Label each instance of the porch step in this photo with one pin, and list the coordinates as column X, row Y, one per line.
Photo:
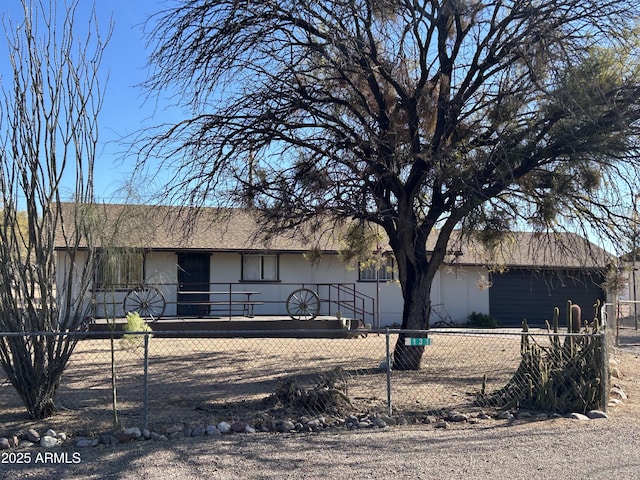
column 243, row 327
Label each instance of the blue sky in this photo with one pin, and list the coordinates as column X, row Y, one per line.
column 124, row 63
column 125, row 110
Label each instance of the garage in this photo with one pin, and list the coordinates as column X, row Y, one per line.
column 519, row 294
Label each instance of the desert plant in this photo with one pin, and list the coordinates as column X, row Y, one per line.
column 50, row 100
column 482, row 320
column 563, row 376
column 136, row 325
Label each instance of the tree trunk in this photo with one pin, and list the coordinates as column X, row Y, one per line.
column 415, row 316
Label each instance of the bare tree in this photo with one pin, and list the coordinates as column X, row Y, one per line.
column 48, row 136
column 420, row 117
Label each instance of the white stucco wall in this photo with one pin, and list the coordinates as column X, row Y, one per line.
column 459, row 293
column 455, row 291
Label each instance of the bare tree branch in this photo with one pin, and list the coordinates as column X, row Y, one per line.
column 420, row 116
column 48, row 134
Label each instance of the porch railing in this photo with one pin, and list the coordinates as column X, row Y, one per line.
column 217, row 299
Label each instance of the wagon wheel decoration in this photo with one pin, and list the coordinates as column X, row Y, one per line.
column 303, row 304
column 147, row 301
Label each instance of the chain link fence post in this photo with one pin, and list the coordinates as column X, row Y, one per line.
column 604, row 373
column 145, row 385
column 389, row 365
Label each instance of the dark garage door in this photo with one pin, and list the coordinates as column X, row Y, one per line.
column 519, row 294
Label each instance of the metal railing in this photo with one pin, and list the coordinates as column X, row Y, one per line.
column 230, row 299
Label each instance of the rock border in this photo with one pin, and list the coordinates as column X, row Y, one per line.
column 443, row 420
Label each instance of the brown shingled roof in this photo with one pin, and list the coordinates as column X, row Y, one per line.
column 176, row 228
column 212, row 229
column 535, row 250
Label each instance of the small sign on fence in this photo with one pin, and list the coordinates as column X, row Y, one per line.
column 417, row 342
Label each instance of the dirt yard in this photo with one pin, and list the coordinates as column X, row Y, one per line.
column 197, row 380
column 561, row 448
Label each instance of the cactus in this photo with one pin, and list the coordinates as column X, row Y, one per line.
column 575, row 323
column 561, row 377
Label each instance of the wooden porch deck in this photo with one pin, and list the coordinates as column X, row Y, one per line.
column 238, row 326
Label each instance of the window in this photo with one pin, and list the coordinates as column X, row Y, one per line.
column 119, row 269
column 260, row 268
column 385, row 271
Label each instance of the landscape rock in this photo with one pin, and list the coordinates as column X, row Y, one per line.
column 86, row 442
column 224, row 427
column 286, row 426
column 442, row 424
column 390, row 421
column 595, row 414
column 33, row 436
column 249, row 429
column 198, row 431
column 314, row 424
column 173, row 429
column 237, row 427
column 456, row 417
column 4, row 444
column 48, row 441
column 133, row 432
column 619, row 393
column 124, row 437
column 212, row 430
column 379, row 422
column 577, row 416
column 262, row 427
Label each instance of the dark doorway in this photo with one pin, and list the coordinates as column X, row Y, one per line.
column 193, row 276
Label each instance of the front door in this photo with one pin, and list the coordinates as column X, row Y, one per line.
column 193, row 276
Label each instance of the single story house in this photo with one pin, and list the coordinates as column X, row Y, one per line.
column 216, row 263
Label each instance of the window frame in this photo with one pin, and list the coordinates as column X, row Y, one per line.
column 127, row 277
column 384, row 273
column 263, row 270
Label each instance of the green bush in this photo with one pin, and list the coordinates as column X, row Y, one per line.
column 135, row 323
column 482, row 320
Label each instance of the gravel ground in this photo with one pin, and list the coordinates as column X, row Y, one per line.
column 568, row 449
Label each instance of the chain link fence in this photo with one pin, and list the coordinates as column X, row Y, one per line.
column 196, row 378
column 623, row 318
